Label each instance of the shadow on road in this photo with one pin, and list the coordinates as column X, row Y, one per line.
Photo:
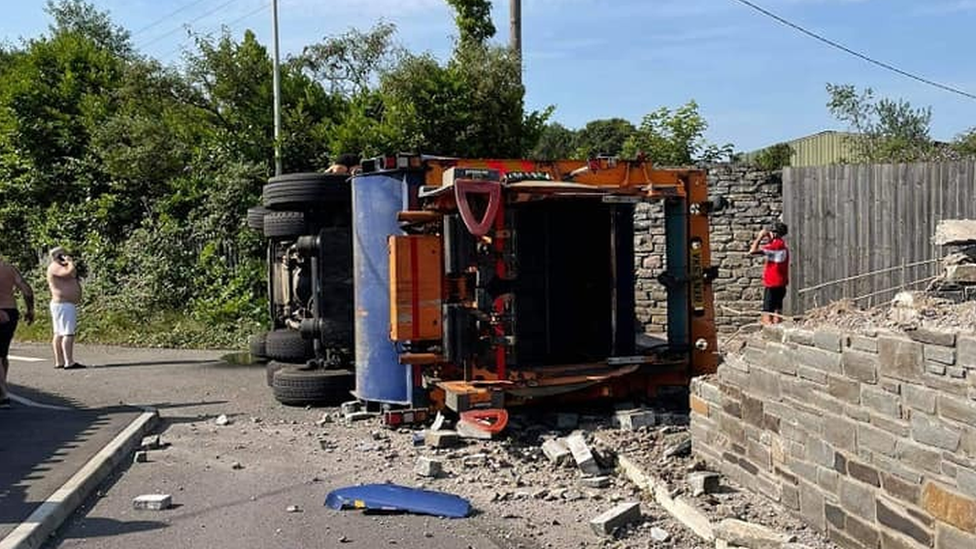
column 97, row 527
column 208, row 362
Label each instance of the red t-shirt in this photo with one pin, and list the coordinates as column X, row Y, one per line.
column 776, row 274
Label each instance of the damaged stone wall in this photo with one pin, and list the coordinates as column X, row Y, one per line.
column 756, row 199
column 869, row 437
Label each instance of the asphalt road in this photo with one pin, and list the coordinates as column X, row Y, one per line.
column 218, row 505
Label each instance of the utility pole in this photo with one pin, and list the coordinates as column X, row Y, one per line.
column 515, row 30
column 276, row 69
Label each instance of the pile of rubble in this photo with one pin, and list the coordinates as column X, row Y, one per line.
column 958, row 280
column 906, row 311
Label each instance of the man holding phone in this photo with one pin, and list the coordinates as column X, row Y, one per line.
column 62, row 279
column 776, row 272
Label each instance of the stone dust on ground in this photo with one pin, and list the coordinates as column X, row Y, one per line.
column 909, row 310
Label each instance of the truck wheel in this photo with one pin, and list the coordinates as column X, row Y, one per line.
column 284, row 224
column 272, row 367
column 288, row 346
column 296, row 387
column 256, row 345
column 303, row 190
column 255, row 217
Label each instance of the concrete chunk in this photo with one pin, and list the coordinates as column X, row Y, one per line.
column 631, row 420
column 621, row 515
column 557, row 451
column 151, row 442
column 595, row 482
column 703, row 482
column 441, row 439
column 582, row 454
column 152, row 502
column 429, row 467
column 739, row 533
column 955, row 232
column 467, row 429
column 140, row 457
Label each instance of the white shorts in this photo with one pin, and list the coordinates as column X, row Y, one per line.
column 64, row 318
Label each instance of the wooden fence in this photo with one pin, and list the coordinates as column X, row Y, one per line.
column 869, row 226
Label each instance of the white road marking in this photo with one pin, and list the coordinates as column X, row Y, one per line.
column 25, row 358
column 31, row 403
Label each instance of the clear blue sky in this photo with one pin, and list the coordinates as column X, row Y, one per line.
column 757, row 81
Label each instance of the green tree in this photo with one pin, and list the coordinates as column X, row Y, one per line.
column 775, row 157
column 352, row 62
column 556, row 142
column 82, row 18
column 965, row 143
column 885, row 130
column 675, row 138
column 473, row 20
column 603, row 137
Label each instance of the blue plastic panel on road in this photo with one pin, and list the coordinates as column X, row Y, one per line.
column 393, row 497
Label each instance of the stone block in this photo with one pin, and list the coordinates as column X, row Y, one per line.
column 738, row 533
column 582, row 454
column 631, row 420
column 621, row 515
column 828, row 341
column 900, row 358
column 918, row 456
column 151, row 442
column 966, row 480
column 957, row 372
column 766, row 383
column 930, row 430
column 429, row 467
column 842, row 540
column 865, row 534
column 595, row 482
column 900, row 488
column 875, row 440
column 935, row 368
column 947, row 537
column 140, row 456
column 773, row 332
column 698, row 406
column 891, row 425
column 839, row 432
column 857, row 499
column 844, row 389
column 703, row 482
column 880, row 401
column 860, row 365
column 932, row 337
column 152, row 502
column 790, row 497
column 441, row 438
column 779, row 357
column 954, row 232
column 938, row 353
column 799, row 336
column 557, row 451
column 962, row 274
column 893, row 516
column 752, row 411
column 812, row 506
column 820, row 453
column 919, row 398
column 864, row 473
column 949, row 507
column 890, row 540
column 966, row 351
column 828, row 479
column 963, row 411
column 819, row 359
column 862, row 343
column 813, row 374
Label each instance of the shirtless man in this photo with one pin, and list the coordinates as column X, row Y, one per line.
column 10, row 280
column 62, row 279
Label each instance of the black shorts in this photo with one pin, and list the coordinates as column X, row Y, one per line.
column 7, row 330
column 773, row 299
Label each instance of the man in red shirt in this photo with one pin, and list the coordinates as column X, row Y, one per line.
column 776, row 273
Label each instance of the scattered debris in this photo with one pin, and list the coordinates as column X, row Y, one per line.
column 682, row 448
column 660, row 535
column 955, row 232
column 140, row 457
column 468, row 429
column 359, row 416
column 326, row 418
column 623, row 514
column 441, row 439
column 222, row 420
column 703, row 482
column 438, row 423
column 237, row 466
column 475, row 460
column 293, row 509
column 429, row 467
column 582, row 454
column 392, row 497
column 738, row 533
column 350, row 407
column 631, row 420
column 152, row 502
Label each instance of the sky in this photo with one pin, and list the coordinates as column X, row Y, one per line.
column 757, row 82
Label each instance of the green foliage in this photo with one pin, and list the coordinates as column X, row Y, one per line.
column 350, row 64
column 473, row 19
column 675, row 138
column 557, row 142
column 775, row 157
column 603, row 137
column 885, row 130
column 965, row 144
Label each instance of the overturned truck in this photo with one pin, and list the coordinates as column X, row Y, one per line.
column 482, row 283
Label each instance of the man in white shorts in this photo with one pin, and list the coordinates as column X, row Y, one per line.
column 62, row 279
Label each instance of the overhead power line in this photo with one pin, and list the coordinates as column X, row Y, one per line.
column 857, row 54
column 167, row 16
column 194, row 20
column 228, row 24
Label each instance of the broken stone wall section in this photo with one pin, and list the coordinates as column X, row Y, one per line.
column 869, row 438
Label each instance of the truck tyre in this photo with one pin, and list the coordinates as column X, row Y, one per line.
column 273, row 366
column 304, row 190
column 284, row 224
column 255, row 217
column 288, row 346
column 296, row 387
column 257, row 346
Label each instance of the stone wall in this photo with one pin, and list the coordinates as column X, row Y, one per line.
column 756, row 200
column 870, row 438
